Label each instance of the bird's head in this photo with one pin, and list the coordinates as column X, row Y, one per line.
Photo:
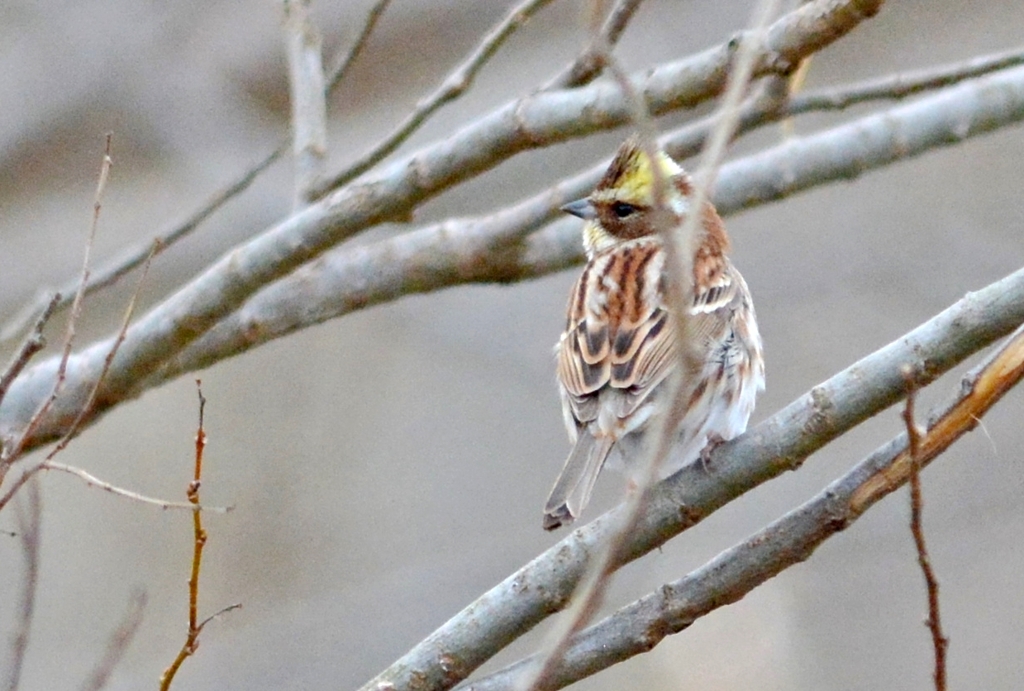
column 622, row 206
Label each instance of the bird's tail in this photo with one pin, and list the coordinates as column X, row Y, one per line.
column 576, row 481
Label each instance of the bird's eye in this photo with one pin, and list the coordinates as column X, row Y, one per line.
column 622, row 209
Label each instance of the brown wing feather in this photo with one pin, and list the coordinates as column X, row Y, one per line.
column 635, row 345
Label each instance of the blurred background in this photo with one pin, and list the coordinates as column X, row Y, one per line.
column 389, row 467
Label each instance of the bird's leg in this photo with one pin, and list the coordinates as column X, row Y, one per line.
column 714, row 441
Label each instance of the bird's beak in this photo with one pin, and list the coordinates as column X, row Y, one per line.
column 581, row 208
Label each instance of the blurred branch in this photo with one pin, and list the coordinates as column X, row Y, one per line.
column 588, row 65
column 29, row 521
column 638, row 627
column 226, row 284
column 118, row 644
column 782, row 442
column 346, row 61
column 906, row 83
column 133, row 257
column 32, row 344
column 545, row 118
column 453, row 86
column 493, row 248
column 308, row 98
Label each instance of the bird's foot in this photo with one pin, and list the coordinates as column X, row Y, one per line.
column 714, row 441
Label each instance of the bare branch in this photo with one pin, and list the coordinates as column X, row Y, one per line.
column 939, row 641
column 588, row 65
column 94, row 481
column 32, row 344
column 91, row 400
column 453, row 86
column 110, row 272
column 679, row 244
column 780, row 443
column 136, row 256
column 640, row 626
column 18, row 484
column 118, row 644
column 492, row 248
column 907, row 83
column 29, row 521
column 308, row 98
column 195, row 627
column 348, row 59
column 9, row 454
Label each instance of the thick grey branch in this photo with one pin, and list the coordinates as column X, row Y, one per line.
column 782, row 442
column 308, row 97
column 640, row 626
column 543, row 118
column 494, row 249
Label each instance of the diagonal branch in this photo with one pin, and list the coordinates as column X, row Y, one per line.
column 543, row 118
column 133, row 257
column 638, row 627
column 454, row 85
column 780, row 443
column 588, row 65
column 346, row 61
column 493, row 248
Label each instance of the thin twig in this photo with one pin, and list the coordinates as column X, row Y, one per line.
column 218, row 614
column 18, row 484
column 87, row 407
column 906, row 84
column 308, row 98
column 934, row 621
column 588, row 65
column 345, row 62
column 195, row 627
column 9, row 455
column 83, row 413
column 118, row 644
column 133, row 257
column 29, row 521
column 113, row 270
column 94, row 481
column 453, row 86
column 33, row 343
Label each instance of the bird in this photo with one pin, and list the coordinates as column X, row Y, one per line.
column 618, row 347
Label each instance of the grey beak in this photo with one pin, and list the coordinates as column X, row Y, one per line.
column 581, row 208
